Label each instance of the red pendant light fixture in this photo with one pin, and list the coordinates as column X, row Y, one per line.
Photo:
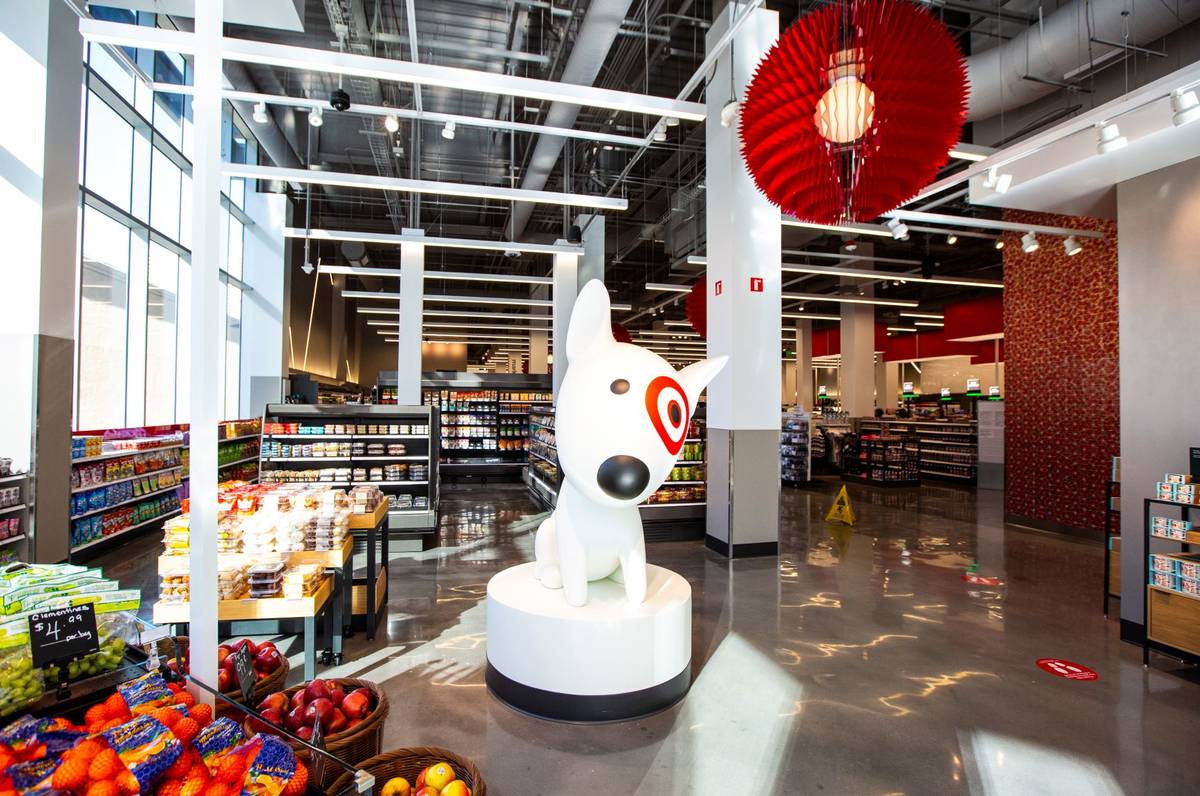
column 620, row 333
column 854, row 110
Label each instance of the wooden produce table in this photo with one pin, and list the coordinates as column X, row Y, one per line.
column 375, row 527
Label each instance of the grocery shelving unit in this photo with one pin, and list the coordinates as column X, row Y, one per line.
column 795, row 450
column 14, row 536
column 238, row 443
column 884, row 461
column 1170, row 614
column 484, row 431
column 949, row 449
column 544, row 476
column 1112, row 542
column 421, row 448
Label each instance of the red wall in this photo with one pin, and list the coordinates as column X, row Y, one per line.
column 1062, row 413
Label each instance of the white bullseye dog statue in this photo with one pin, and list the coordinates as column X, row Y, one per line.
column 621, row 417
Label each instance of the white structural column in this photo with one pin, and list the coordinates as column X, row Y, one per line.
column 566, row 288
column 804, row 372
column 889, row 396
column 743, row 233
column 857, row 374
column 207, row 340
column 412, row 308
column 39, row 191
column 591, row 265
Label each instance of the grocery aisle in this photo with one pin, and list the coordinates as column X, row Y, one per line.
column 854, row 645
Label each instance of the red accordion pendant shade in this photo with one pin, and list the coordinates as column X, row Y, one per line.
column 854, row 110
column 620, row 333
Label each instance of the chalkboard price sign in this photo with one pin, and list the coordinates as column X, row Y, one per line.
column 243, row 666
column 64, row 634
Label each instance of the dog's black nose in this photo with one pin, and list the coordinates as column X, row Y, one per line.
column 623, row 477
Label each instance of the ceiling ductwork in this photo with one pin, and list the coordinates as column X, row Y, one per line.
column 597, row 32
column 1060, row 44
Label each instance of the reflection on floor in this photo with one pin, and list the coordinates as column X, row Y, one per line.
column 858, row 662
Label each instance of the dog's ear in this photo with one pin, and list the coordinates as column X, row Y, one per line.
column 696, row 376
column 591, row 320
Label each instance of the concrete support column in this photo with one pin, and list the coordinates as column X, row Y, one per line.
column 539, row 339
column 39, row 190
column 857, row 373
column 804, row 371
column 889, row 397
column 514, row 363
column 743, row 234
column 207, row 340
column 566, row 288
column 412, row 309
column 591, row 264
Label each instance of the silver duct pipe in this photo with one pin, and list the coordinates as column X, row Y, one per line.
column 1060, row 44
column 599, row 29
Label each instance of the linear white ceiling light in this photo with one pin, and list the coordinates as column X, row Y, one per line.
column 937, row 324
column 388, row 238
column 930, row 315
column 399, row 71
column 391, row 326
column 811, row 316
column 654, row 333
column 472, row 337
column 375, row 182
column 965, row 151
column 901, row 329
column 677, row 323
column 849, row 299
column 516, row 279
column 863, row 274
column 853, row 229
column 437, row 297
column 662, row 287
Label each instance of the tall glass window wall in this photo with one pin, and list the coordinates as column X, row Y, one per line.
column 132, row 350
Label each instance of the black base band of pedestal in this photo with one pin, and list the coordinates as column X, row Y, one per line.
column 587, row 708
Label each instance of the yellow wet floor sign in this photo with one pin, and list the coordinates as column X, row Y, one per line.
column 841, row 511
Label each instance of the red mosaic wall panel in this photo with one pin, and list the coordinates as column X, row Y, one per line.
column 1062, row 410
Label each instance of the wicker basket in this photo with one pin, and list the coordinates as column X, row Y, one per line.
column 268, row 685
column 409, row 763
column 363, row 741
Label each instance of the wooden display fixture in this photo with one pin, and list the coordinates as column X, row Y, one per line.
column 358, row 597
column 252, row 608
column 1173, row 618
column 362, row 522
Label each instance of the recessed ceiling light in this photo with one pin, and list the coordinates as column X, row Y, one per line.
column 951, row 239
column 391, row 123
column 999, row 243
column 1071, row 246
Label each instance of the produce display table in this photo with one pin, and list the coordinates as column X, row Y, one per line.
column 272, row 608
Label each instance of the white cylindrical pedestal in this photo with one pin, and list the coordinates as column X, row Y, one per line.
column 605, row 661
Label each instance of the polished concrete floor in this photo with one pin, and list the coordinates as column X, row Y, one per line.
column 857, row 662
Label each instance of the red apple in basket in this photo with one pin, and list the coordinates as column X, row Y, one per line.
column 298, row 699
column 294, row 720
column 224, row 680
column 357, row 704
column 352, row 723
column 337, row 721
column 278, row 701
column 317, row 689
column 267, row 660
column 247, row 644
column 304, row 733
column 336, row 695
column 273, row 719
column 318, row 709
column 223, row 652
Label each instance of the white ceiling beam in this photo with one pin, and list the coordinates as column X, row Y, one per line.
column 849, row 299
column 374, row 182
column 859, row 273
column 515, row 302
column 988, row 223
column 392, row 239
column 457, row 276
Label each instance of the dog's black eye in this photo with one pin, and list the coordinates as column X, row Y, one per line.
column 619, row 387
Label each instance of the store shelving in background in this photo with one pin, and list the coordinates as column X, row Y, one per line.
column 891, row 460
column 484, row 431
column 16, row 502
column 544, row 475
column 949, row 449
column 389, row 446
column 795, row 464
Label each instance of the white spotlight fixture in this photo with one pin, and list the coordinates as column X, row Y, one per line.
column 999, row 243
column 1071, row 246
column 1109, row 138
column 951, row 239
column 316, row 117
column 898, row 228
column 448, row 131
column 391, row 123
column 850, row 245
column 260, row 113
column 660, row 134
column 672, row 121
column 1029, row 243
column 730, row 112
column 1000, row 183
column 1185, row 107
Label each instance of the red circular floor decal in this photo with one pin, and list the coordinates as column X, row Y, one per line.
column 1071, row 671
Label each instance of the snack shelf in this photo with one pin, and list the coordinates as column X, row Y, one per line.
column 138, row 499
column 102, row 484
column 123, row 531
column 253, row 458
column 669, row 482
column 943, row 474
column 118, row 454
column 10, row 478
column 12, row 539
column 223, row 440
column 537, row 455
column 389, row 458
column 310, row 436
column 308, row 459
column 10, row 509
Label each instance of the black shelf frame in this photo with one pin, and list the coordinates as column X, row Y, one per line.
column 1112, row 490
column 1185, row 513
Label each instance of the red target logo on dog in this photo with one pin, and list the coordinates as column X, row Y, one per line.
column 667, row 405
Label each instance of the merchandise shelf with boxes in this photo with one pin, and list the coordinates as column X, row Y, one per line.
column 485, row 432
column 674, row 512
column 949, row 449
column 1171, row 613
column 795, row 450
column 890, row 461
column 1112, row 534
column 16, row 502
column 392, row 447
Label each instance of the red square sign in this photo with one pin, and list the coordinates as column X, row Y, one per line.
column 717, row 287
column 756, row 284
